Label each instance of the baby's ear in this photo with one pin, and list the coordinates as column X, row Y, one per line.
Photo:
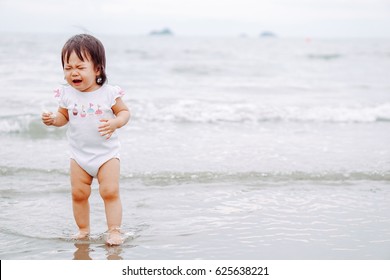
column 98, row 70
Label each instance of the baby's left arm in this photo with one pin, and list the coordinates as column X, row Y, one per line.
column 122, row 114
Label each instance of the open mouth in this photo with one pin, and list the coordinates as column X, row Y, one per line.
column 76, row 81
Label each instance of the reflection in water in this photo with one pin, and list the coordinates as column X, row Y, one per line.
column 113, row 252
column 83, row 250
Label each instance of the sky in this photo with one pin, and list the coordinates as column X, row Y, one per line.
column 285, row 18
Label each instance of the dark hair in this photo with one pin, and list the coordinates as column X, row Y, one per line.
column 87, row 47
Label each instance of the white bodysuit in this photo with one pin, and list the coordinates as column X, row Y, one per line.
column 85, row 109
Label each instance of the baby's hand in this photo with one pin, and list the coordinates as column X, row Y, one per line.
column 48, row 118
column 107, row 127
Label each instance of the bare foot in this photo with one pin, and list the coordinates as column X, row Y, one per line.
column 81, row 235
column 114, row 237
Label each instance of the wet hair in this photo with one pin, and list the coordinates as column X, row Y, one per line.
column 86, row 47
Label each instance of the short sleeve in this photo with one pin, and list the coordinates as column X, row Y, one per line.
column 59, row 95
column 116, row 92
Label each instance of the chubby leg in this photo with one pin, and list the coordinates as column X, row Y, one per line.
column 81, row 189
column 108, row 177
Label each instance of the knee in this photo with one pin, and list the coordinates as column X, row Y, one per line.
column 80, row 194
column 109, row 193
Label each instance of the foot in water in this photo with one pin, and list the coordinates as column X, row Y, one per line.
column 81, row 235
column 114, row 237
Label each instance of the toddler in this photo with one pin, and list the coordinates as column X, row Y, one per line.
column 94, row 110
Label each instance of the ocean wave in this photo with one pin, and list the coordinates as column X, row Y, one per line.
column 199, row 111
column 253, row 177
column 16, row 171
column 166, row 178
column 27, row 125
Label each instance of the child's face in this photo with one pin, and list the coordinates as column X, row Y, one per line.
column 81, row 75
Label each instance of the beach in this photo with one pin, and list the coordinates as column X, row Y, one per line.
column 238, row 148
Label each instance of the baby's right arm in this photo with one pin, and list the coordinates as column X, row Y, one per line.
column 58, row 120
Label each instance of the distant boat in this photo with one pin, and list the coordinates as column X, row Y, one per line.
column 164, row 32
column 267, row 34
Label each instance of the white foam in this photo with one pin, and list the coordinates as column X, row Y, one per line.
column 198, row 111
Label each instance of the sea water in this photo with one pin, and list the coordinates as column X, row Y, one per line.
column 238, row 148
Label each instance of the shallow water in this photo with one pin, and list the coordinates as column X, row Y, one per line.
column 192, row 220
